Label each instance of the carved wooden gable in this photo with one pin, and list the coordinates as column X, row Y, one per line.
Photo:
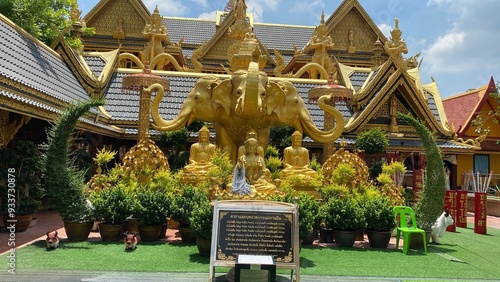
column 222, row 48
column 114, row 15
column 353, row 31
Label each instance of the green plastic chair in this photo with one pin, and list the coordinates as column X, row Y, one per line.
column 404, row 212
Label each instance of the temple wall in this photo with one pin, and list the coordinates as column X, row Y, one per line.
column 465, row 163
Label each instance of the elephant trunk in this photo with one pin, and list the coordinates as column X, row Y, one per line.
column 327, row 136
column 167, row 125
column 250, row 103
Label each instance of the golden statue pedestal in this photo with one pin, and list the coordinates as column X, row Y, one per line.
column 306, row 186
column 194, row 178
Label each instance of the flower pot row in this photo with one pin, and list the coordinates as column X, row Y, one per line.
column 347, row 238
column 342, row 217
column 80, row 230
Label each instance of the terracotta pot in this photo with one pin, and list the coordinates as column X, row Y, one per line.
column 111, row 232
column 78, row 230
column 149, row 233
column 344, row 238
column 204, row 246
column 22, row 224
column 379, row 239
column 187, row 234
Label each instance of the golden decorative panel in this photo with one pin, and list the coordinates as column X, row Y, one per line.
column 123, row 15
column 220, row 49
column 353, row 28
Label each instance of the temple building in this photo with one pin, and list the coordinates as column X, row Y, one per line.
column 462, row 109
column 370, row 76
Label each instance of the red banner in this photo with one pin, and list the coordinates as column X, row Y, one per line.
column 480, row 212
column 461, row 209
column 450, row 204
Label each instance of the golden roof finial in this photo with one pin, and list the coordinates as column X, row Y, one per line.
column 395, row 44
column 396, row 32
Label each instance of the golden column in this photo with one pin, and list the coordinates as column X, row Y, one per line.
column 339, row 93
column 144, row 83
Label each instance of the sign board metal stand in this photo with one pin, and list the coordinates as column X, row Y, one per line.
column 248, row 227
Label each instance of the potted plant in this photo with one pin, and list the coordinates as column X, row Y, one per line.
column 201, row 222
column 22, row 192
column 63, row 181
column 308, row 211
column 183, row 203
column 379, row 220
column 345, row 216
column 113, row 206
column 150, row 209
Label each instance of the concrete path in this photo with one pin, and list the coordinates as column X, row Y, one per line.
column 49, row 221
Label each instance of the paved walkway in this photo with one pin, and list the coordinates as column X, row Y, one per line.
column 49, row 221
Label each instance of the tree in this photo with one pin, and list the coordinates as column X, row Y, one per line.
column 281, row 136
column 431, row 201
column 492, row 115
column 372, row 141
column 44, row 19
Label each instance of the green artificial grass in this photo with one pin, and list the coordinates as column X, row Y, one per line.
column 461, row 255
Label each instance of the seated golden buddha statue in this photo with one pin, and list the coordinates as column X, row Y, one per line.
column 296, row 159
column 250, row 174
column 250, row 134
column 200, row 155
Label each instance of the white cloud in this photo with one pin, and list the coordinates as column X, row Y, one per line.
column 271, row 5
column 259, row 7
column 471, row 42
column 208, row 15
column 438, row 2
column 168, row 7
column 442, row 55
column 386, row 29
column 202, row 3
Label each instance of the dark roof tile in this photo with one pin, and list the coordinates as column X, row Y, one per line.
column 34, row 66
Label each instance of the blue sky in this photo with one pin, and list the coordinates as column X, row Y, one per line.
column 459, row 40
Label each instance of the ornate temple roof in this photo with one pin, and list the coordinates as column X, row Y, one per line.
column 46, row 80
column 35, row 81
column 462, row 109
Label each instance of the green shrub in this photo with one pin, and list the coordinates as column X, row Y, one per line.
column 333, row 191
column 21, row 164
column 431, row 200
column 271, row 151
column 185, row 201
column 201, row 220
column 151, row 207
column 344, row 174
column 315, row 165
column 274, row 164
column 372, row 141
column 112, row 205
column 63, row 181
column 378, row 213
column 223, row 170
column 308, row 214
column 345, row 213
